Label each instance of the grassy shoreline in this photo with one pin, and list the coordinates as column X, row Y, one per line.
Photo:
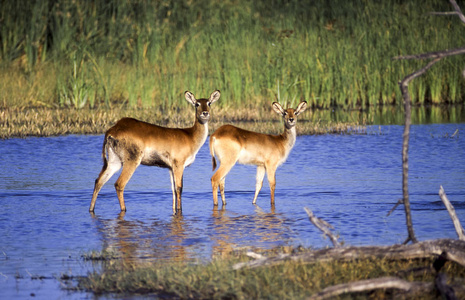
column 290, row 279
column 41, row 122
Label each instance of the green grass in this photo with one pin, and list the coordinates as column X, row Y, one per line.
column 147, row 53
column 287, row 280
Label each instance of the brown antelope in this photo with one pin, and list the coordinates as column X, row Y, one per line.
column 231, row 145
column 130, row 143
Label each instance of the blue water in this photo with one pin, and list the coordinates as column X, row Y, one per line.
column 351, row 181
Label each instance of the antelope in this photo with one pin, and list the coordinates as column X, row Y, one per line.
column 233, row 145
column 131, row 142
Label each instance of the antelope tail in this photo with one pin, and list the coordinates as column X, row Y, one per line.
column 212, row 153
column 105, row 150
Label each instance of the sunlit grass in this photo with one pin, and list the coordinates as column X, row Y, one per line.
column 23, row 122
column 146, row 54
column 287, row 280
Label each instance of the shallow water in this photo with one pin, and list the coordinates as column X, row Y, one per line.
column 351, row 181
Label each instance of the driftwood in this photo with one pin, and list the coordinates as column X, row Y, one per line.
column 452, row 250
column 407, row 287
column 374, row 284
column 452, row 214
column 442, row 250
column 323, row 226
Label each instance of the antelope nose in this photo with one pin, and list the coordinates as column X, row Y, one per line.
column 291, row 119
column 205, row 113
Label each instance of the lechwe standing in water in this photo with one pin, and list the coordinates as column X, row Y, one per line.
column 233, row 145
column 130, row 143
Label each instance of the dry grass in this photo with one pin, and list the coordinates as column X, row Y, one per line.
column 287, row 280
column 23, row 122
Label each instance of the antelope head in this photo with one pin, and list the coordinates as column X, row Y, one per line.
column 289, row 115
column 202, row 106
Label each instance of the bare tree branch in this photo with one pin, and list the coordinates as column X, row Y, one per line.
column 323, row 226
column 452, row 214
column 405, row 144
column 452, row 250
column 457, row 12
column 372, row 284
column 435, row 57
column 399, row 202
column 431, row 55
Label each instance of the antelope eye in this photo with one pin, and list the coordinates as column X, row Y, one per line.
column 197, row 104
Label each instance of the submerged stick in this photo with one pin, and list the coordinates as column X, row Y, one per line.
column 452, row 214
column 323, row 226
column 399, row 202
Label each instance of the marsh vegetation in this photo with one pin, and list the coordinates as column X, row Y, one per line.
column 147, row 53
column 290, row 279
column 74, row 67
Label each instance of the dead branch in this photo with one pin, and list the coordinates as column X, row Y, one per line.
column 452, row 250
column 373, row 284
column 435, row 57
column 323, row 226
column 457, row 12
column 432, row 55
column 399, row 202
column 452, row 214
column 405, row 144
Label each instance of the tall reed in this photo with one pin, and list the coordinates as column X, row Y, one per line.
column 330, row 53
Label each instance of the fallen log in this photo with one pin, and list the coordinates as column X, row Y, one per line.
column 452, row 250
column 373, row 284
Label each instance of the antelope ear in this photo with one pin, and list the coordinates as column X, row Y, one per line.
column 300, row 108
column 214, row 97
column 278, row 108
column 190, row 97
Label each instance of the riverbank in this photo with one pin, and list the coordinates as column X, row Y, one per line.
column 290, row 273
column 24, row 122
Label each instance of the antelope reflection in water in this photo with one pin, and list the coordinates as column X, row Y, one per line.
column 134, row 241
column 180, row 238
column 263, row 229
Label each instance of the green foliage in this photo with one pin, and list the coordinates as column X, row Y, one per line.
column 74, row 86
column 330, row 53
column 290, row 279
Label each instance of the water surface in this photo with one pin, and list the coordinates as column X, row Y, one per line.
column 351, row 181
